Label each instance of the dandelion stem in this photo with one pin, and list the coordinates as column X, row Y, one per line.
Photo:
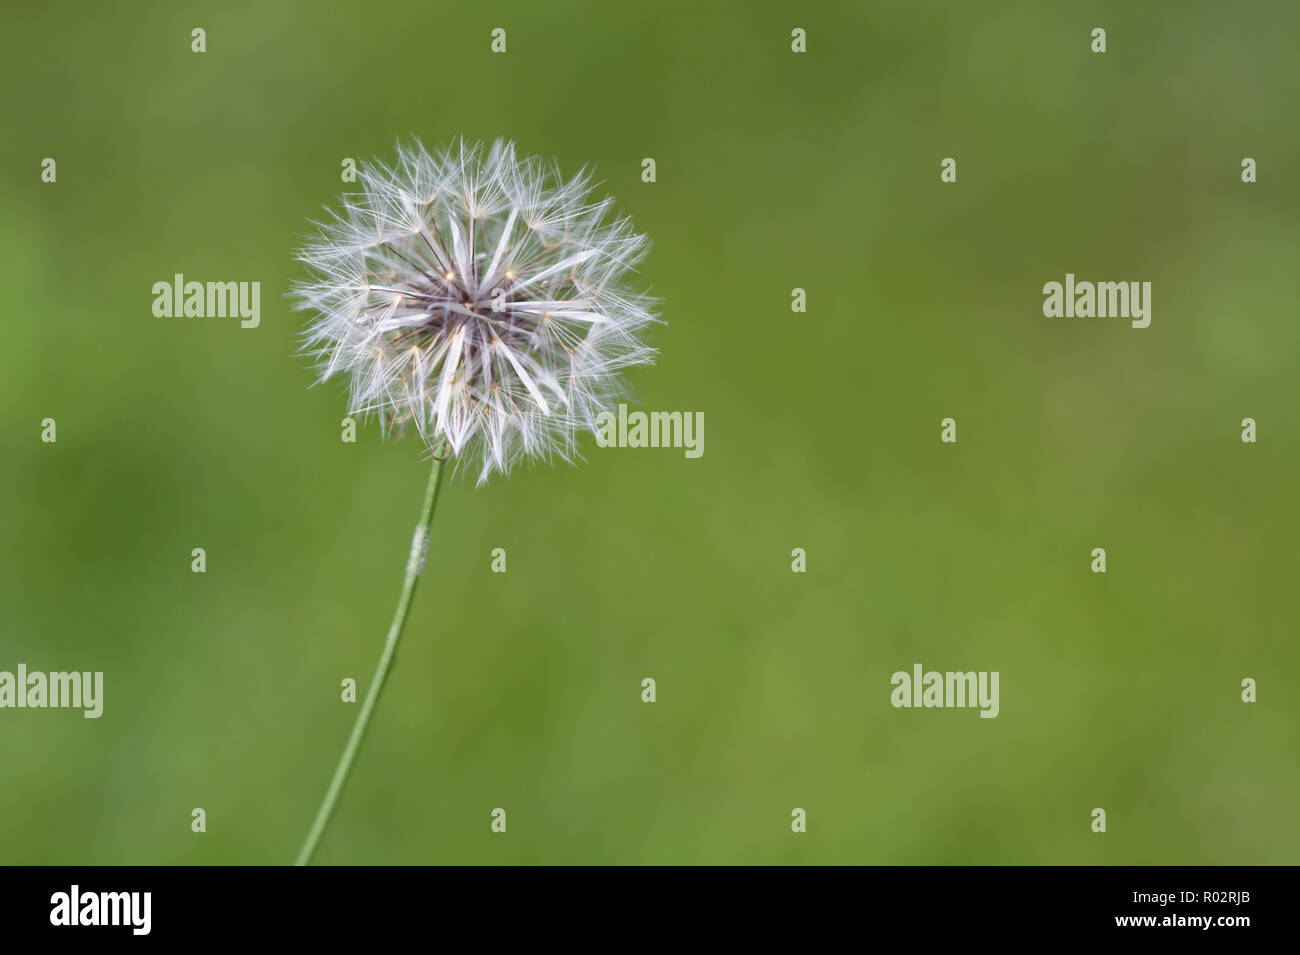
column 414, row 564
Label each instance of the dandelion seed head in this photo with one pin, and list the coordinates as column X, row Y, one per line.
column 479, row 297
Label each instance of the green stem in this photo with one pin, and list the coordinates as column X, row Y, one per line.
column 414, row 564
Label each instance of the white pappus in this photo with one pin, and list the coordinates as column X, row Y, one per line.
column 480, row 297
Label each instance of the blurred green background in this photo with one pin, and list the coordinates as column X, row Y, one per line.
column 523, row 690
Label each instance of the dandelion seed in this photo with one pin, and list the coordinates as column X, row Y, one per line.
column 512, row 285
